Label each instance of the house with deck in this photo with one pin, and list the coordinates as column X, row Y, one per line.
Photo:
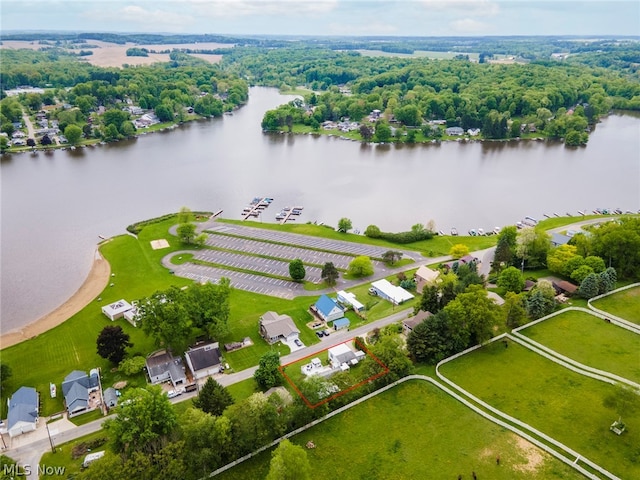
column 82, row 392
column 275, row 327
column 164, row 367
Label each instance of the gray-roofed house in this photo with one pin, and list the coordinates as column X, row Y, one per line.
column 274, row 327
column 110, row 397
column 162, row 367
column 410, row 323
column 203, row 360
column 558, row 239
column 23, row 411
column 78, row 389
column 454, row 131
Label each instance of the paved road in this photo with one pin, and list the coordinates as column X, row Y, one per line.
column 30, row 131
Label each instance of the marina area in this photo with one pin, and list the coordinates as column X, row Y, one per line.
column 260, row 204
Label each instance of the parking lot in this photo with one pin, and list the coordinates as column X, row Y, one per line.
column 257, row 264
column 302, row 240
column 240, row 252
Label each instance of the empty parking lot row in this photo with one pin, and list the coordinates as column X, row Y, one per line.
column 258, row 264
column 302, row 240
column 278, row 251
column 242, row 281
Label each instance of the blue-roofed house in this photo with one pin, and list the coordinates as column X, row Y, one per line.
column 341, row 323
column 81, row 392
column 558, row 239
column 23, row 411
column 327, row 309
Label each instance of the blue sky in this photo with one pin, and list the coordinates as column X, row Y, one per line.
column 328, row 17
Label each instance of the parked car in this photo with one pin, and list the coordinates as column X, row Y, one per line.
column 173, row 393
column 320, row 333
column 297, row 342
column 373, row 291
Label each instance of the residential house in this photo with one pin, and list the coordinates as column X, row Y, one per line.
column 425, row 276
column 349, row 299
column 385, row 289
column 466, row 260
column 342, row 354
column 410, row 323
column 558, row 239
column 454, row 131
column 162, row 367
column 81, row 392
column 474, row 132
column 116, row 310
column 275, row 327
column 327, row 309
column 203, row 360
column 23, row 411
column 562, row 286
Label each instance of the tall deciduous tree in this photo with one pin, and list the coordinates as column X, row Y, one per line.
column 391, row 256
column 73, row 133
column 144, row 421
column 289, row 462
column 514, row 311
column 112, row 343
column 330, row 273
column 473, row 314
column 208, row 306
column 296, row 270
column 213, row 398
column 165, row 317
column 186, row 232
column 511, row 280
column 267, row 375
column 459, row 250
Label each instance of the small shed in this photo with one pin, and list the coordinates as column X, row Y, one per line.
column 348, row 298
column 110, row 397
column 341, row 323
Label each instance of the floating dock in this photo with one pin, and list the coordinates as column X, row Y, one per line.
column 286, row 214
column 255, row 208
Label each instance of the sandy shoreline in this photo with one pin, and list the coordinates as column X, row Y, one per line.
column 96, row 281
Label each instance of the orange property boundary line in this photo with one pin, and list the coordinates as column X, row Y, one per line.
column 359, row 344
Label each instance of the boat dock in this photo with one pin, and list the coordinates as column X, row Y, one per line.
column 286, row 214
column 255, row 208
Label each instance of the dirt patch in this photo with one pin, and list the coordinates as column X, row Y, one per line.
column 534, row 457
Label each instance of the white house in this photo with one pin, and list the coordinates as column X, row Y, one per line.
column 203, row 360
column 23, row 411
column 117, row 309
column 454, row 131
column 343, row 355
column 274, row 327
column 348, row 298
column 388, row 291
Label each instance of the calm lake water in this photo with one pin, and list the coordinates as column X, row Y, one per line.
column 55, row 205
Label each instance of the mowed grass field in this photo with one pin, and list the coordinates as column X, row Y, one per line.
column 561, row 403
column 414, row 431
column 625, row 304
column 590, row 340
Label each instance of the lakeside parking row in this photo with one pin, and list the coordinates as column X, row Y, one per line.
column 284, row 252
column 301, row 240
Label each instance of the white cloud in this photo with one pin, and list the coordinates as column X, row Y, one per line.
column 375, row 28
column 469, row 25
column 484, row 8
column 236, row 8
column 157, row 19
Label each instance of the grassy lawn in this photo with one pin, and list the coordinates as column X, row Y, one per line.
column 244, row 389
column 563, row 404
column 377, row 307
column 591, row 341
column 413, row 431
column 438, row 245
column 86, row 417
column 625, row 304
column 63, row 457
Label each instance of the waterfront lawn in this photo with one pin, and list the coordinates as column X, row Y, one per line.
column 591, row 341
column 561, row 403
column 625, row 304
column 413, row 431
column 437, row 246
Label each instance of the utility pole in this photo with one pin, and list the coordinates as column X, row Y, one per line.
column 53, row 450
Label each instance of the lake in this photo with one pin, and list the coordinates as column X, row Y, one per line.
column 55, row 205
